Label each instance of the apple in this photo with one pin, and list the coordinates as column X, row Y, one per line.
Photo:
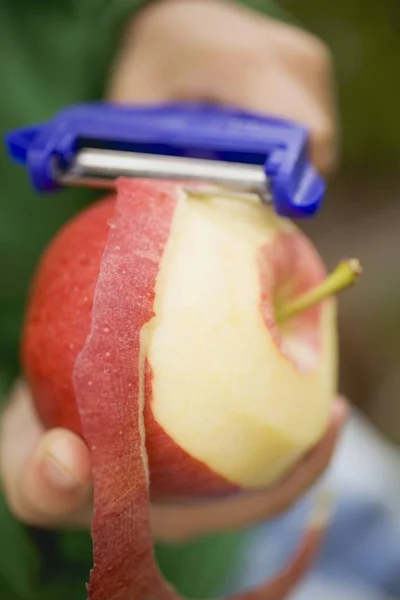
column 163, row 328
column 232, row 399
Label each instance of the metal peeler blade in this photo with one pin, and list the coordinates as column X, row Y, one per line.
column 99, row 168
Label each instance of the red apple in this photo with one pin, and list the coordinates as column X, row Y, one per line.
column 151, row 331
column 231, row 399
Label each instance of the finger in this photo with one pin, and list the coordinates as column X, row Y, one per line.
column 302, row 100
column 177, row 523
column 46, row 475
column 291, row 77
column 133, row 85
column 274, row 89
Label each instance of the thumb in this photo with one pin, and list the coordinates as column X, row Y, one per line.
column 46, row 476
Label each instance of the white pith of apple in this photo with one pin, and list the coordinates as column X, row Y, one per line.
column 242, row 395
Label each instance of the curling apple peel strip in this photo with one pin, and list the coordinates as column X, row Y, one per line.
column 110, row 400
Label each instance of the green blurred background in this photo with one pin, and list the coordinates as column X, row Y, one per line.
column 362, row 213
column 364, row 36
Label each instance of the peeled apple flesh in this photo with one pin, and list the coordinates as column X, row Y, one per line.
column 151, row 332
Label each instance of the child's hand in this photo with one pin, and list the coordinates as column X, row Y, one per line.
column 47, row 480
column 219, row 51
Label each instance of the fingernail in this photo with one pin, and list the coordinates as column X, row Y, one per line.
column 57, row 465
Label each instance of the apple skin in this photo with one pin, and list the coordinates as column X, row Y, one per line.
column 57, row 324
column 59, row 319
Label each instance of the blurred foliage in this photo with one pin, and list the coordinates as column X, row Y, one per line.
column 362, row 215
column 364, row 36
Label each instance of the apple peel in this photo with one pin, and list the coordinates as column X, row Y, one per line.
column 111, row 407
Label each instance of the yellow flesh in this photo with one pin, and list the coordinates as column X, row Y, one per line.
column 221, row 389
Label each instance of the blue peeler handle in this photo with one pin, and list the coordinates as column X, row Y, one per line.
column 180, row 130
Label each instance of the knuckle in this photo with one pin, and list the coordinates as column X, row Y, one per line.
column 324, row 134
column 320, row 55
column 325, row 147
column 308, row 48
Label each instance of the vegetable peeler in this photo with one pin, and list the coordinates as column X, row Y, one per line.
column 240, row 152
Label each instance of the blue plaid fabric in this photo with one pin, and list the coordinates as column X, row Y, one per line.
column 360, row 559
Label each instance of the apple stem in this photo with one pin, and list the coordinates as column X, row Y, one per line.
column 341, row 278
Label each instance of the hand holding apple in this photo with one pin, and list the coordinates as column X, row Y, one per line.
column 48, row 479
